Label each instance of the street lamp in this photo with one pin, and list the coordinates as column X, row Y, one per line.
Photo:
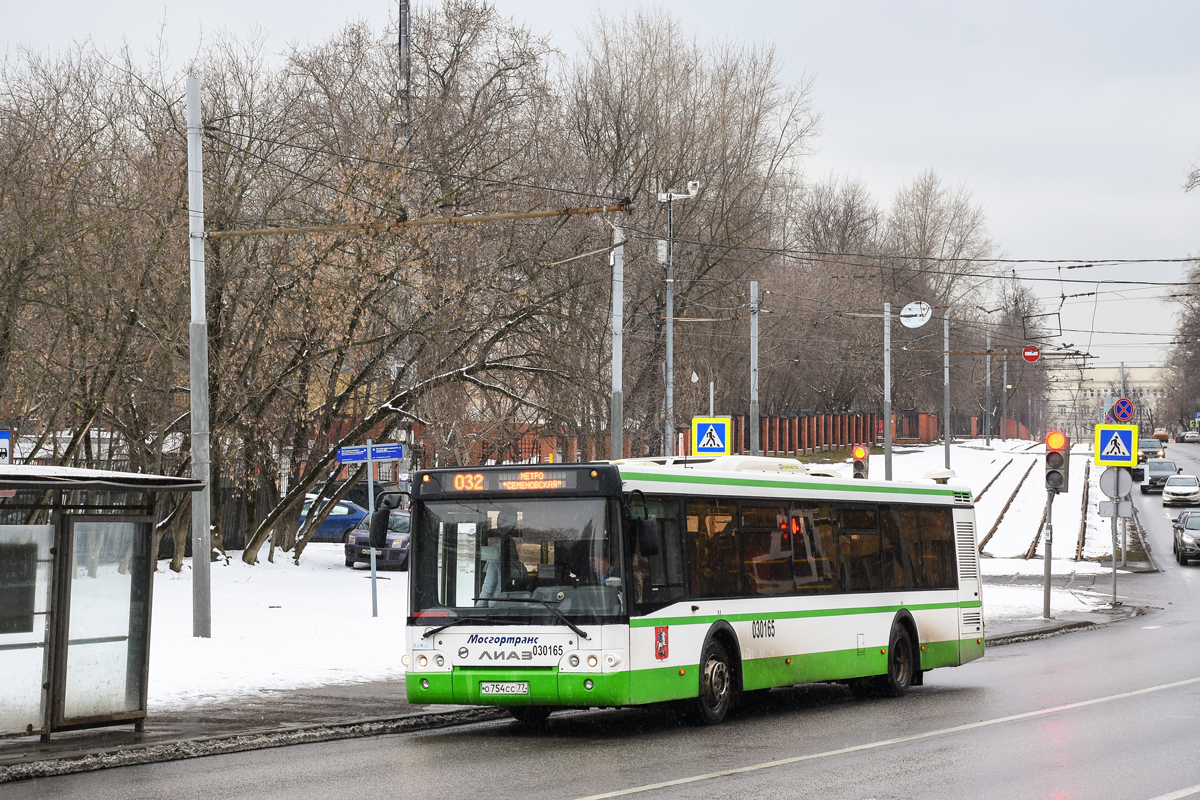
column 669, row 197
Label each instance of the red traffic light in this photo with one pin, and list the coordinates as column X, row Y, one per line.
column 1055, row 440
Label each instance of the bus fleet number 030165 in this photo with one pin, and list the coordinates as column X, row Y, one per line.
column 762, row 629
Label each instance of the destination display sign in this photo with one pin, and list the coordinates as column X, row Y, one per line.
column 516, row 479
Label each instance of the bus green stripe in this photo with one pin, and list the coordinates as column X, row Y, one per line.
column 769, row 484
column 636, row 687
column 648, row 622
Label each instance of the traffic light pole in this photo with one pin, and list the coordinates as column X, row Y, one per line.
column 1049, row 549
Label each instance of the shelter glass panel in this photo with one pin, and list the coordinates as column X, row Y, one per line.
column 26, row 567
column 109, row 615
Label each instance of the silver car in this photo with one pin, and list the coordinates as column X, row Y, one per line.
column 1183, row 489
column 1187, row 536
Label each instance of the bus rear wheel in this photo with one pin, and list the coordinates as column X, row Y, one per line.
column 901, row 664
column 716, row 684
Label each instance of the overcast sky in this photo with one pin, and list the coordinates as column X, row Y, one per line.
column 1073, row 123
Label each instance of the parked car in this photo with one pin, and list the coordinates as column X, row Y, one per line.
column 395, row 555
column 359, row 494
column 1189, row 436
column 1182, row 489
column 343, row 518
column 1187, row 533
column 1157, row 472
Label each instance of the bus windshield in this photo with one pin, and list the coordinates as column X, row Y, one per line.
column 517, row 559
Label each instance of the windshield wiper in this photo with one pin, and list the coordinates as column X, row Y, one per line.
column 548, row 607
column 440, row 628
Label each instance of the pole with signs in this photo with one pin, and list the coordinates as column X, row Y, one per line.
column 1115, row 483
column 370, row 454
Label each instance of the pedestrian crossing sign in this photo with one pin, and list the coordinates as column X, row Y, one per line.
column 710, row 436
column 1116, row 446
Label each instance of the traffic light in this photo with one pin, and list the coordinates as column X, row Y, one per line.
column 860, row 461
column 1058, row 461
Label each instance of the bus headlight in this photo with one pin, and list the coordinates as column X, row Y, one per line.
column 611, row 659
column 423, row 661
column 588, row 684
column 592, row 661
column 573, row 661
column 439, row 660
column 405, row 660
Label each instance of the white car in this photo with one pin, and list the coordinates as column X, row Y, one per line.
column 1183, row 489
column 1190, row 436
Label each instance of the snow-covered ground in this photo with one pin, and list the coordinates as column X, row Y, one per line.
column 275, row 626
column 281, row 626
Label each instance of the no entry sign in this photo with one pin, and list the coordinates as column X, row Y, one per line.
column 1031, row 354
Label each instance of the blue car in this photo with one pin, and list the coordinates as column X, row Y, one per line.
column 343, row 518
column 395, row 554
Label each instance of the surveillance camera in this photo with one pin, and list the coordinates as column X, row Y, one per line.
column 693, row 187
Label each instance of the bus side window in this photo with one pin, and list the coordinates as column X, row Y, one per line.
column 658, row 579
column 713, row 549
column 766, row 549
column 909, row 518
column 937, row 540
column 897, row 559
column 859, row 547
column 816, row 561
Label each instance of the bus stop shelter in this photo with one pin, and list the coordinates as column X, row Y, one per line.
column 76, row 584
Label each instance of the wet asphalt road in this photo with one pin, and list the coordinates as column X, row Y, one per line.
column 1111, row 713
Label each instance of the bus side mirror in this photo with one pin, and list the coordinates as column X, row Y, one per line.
column 647, row 535
column 379, row 521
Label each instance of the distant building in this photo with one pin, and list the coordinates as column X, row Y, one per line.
column 1077, row 398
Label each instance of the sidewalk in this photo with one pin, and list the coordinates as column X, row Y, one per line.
column 275, row 719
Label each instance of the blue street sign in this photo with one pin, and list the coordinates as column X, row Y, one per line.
column 5, row 447
column 710, row 436
column 379, row 452
column 1116, row 446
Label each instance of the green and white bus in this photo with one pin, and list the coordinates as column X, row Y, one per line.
column 650, row 580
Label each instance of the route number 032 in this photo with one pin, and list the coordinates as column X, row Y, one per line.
column 472, row 482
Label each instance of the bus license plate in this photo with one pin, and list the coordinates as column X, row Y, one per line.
column 504, row 687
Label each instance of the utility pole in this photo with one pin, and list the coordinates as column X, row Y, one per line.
column 754, row 423
column 710, row 398
column 616, row 417
column 1004, row 403
column 198, row 345
column 987, row 410
column 946, row 382
column 887, row 391
column 669, row 197
column 406, row 65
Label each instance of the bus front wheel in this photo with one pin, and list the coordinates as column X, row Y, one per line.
column 716, row 684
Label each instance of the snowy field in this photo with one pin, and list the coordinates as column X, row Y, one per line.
column 275, row 627
column 281, row 626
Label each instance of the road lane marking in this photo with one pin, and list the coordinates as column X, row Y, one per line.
column 1188, row 792
column 649, row 787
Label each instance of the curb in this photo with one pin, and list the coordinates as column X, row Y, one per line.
column 198, row 747
column 1128, row 612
